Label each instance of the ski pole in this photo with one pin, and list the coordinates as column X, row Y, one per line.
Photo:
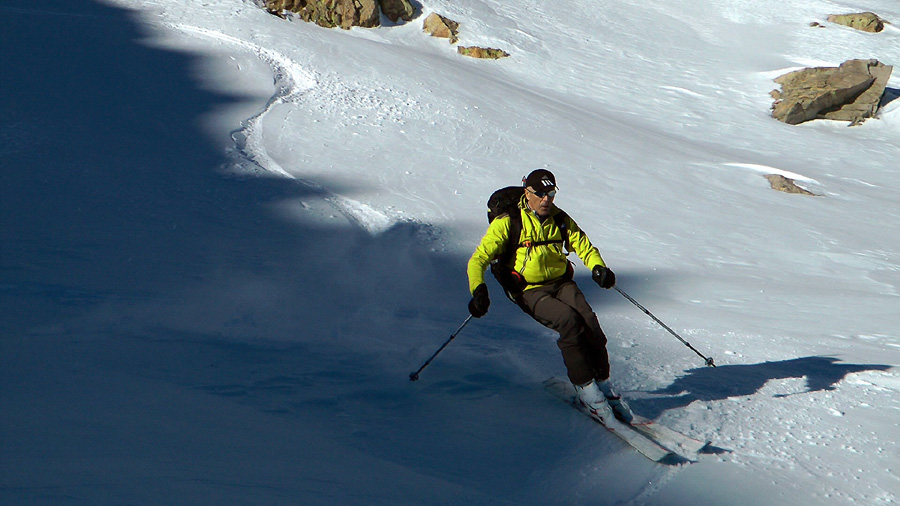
column 413, row 376
column 709, row 361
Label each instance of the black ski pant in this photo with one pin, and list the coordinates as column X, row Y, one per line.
column 562, row 307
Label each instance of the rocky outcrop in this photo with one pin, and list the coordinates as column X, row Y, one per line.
column 367, row 13
column 344, row 13
column 482, row 52
column 851, row 92
column 331, row 13
column 439, row 26
column 865, row 21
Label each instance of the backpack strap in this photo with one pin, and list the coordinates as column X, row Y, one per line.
column 512, row 282
column 512, row 240
column 561, row 222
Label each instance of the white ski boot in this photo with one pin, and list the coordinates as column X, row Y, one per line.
column 595, row 402
column 616, row 402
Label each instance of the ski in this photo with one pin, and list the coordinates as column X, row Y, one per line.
column 683, row 444
column 641, row 442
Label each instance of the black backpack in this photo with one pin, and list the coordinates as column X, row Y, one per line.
column 505, row 201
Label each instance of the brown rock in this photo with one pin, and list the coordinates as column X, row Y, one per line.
column 482, row 52
column 439, row 26
column 787, row 185
column 865, row 21
column 362, row 13
column 331, row 13
column 810, row 93
column 867, row 103
column 398, row 9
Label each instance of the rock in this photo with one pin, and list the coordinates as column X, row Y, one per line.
column 439, row 26
column 814, row 92
column 867, row 103
column 482, row 52
column 362, row 13
column 331, row 13
column 278, row 6
column 787, row 185
column 398, row 9
column 865, row 21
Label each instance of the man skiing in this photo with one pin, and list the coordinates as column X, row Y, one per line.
column 539, row 278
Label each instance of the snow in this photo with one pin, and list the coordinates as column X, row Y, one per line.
column 227, row 239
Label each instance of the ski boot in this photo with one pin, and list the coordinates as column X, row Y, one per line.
column 618, row 405
column 594, row 401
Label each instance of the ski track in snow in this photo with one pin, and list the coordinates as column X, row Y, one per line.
column 661, row 477
column 292, row 83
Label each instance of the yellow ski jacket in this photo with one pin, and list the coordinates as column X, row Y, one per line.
column 538, row 264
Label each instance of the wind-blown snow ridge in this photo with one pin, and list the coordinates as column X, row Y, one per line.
column 291, row 82
column 765, row 169
column 364, row 215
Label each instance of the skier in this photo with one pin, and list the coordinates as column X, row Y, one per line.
column 539, row 278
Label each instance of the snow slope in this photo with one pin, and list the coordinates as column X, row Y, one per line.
column 227, row 238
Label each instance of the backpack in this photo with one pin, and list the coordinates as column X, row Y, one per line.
column 505, row 201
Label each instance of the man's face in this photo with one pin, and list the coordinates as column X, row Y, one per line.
column 540, row 202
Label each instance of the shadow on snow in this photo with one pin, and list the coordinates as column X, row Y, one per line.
column 113, row 203
column 728, row 381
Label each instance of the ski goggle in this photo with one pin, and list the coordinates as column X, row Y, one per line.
column 540, row 195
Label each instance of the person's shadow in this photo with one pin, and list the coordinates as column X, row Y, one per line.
column 725, row 381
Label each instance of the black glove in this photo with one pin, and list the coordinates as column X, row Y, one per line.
column 603, row 276
column 480, row 302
